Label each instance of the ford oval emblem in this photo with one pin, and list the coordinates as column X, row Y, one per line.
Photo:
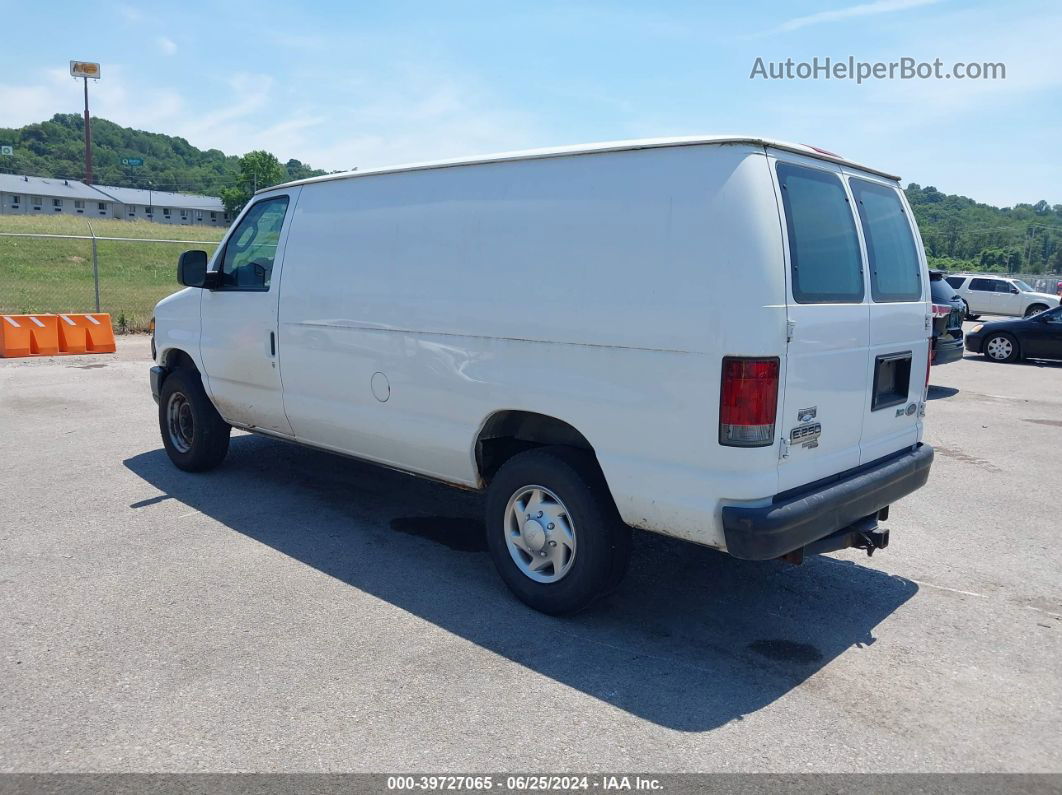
column 911, row 409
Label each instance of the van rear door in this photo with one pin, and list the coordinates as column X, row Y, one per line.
column 900, row 318
column 858, row 348
column 823, row 401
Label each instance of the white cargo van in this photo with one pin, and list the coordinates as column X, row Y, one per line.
column 720, row 339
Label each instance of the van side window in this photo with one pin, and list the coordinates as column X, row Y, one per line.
column 983, row 285
column 823, row 247
column 247, row 263
column 895, row 272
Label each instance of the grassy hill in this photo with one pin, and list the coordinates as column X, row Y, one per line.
column 55, row 148
column 962, row 234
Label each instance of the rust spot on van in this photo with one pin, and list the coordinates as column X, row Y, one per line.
column 462, row 534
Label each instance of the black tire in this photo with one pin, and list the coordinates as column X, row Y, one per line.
column 603, row 542
column 198, row 426
column 1035, row 309
column 967, row 312
column 1015, row 352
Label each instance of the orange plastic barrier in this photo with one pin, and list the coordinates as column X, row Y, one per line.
column 29, row 335
column 91, row 333
column 48, row 335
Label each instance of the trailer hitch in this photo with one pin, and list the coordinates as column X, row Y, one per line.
column 871, row 540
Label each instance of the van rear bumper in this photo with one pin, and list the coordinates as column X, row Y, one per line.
column 796, row 520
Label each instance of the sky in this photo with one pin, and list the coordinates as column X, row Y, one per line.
column 357, row 84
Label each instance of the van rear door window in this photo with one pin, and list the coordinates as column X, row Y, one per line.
column 823, row 247
column 895, row 272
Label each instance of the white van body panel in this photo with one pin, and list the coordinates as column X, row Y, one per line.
column 177, row 321
column 600, row 286
column 586, row 289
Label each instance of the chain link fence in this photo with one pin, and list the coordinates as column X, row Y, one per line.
column 124, row 276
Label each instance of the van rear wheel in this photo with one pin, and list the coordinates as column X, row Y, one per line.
column 553, row 531
column 195, row 436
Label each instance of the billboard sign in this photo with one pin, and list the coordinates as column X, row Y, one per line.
column 85, row 69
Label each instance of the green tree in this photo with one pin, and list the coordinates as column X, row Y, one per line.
column 258, row 169
column 54, row 148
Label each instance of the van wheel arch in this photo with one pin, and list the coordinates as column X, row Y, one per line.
column 176, row 359
column 509, row 432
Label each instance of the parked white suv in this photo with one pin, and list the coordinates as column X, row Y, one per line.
column 999, row 295
column 720, row 339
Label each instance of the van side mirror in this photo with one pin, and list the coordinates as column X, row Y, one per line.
column 1014, row 289
column 192, row 270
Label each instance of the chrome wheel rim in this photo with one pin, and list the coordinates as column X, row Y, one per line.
column 1000, row 348
column 540, row 534
column 180, row 422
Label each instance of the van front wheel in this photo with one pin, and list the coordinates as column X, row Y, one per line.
column 195, row 436
column 553, row 531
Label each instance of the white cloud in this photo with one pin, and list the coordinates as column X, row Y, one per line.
column 167, row 46
column 131, row 13
column 113, row 97
column 414, row 111
column 851, row 12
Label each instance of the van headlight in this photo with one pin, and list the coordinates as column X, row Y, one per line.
column 151, row 329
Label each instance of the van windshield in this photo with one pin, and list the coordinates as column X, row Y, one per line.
column 823, row 247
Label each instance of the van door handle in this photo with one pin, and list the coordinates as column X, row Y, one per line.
column 272, row 343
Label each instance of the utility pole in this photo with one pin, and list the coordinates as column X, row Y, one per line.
column 85, row 70
column 88, row 139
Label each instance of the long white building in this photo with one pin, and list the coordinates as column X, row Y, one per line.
column 24, row 195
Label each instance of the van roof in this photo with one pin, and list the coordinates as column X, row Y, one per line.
column 584, row 149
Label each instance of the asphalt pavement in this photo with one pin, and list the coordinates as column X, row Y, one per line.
column 298, row 611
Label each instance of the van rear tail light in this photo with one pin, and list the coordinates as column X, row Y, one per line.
column 748, row 402
column 941, row 310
